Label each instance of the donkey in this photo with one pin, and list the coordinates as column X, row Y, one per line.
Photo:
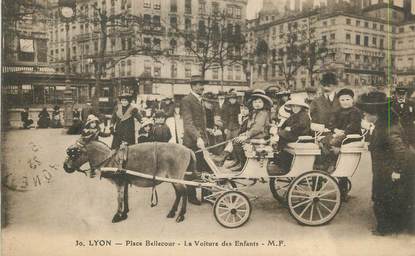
column 157, row 159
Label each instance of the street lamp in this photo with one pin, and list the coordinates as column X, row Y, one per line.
column 67, row 11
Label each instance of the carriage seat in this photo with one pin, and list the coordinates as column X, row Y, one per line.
column 303, row 148
column 354, row 147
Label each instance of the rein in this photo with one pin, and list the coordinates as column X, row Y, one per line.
column 214, row 146
column 97, row 166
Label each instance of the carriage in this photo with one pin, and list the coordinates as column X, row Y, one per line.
column 312, row 196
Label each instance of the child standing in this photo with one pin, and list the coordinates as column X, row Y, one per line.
column 145, row 132
column 92, row 130
column 161, row 132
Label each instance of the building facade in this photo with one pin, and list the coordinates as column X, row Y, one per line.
column 133, row 68
column 363, row 47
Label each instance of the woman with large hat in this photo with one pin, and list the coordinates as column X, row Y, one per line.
column 392, row 166
column 122, row 121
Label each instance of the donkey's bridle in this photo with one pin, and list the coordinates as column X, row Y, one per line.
column 81, row 147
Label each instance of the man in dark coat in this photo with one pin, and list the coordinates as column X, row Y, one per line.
column 194, row 124
column 406, row 112
column 27, row 122
column 392, row 166
column 322, row 108
column 122, row 122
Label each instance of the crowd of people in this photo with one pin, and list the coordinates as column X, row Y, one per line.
column 223, row 122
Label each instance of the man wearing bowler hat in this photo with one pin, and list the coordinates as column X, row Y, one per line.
column 194, row 123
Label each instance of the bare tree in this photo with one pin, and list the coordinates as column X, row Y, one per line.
column 289, row 56
column 214, row 42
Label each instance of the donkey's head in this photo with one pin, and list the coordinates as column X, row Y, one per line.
column 77, row 156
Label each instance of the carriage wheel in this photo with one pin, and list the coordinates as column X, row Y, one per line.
column 314, row 198
column 232, row 209
column 279, row 188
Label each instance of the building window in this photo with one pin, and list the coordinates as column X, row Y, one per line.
column 238, row 72
column 366, row 41
column 332, row 36
column 174, row 69
column 381, row 43
column 358, row 39
column 215, row 7
column 128, row 67
column 187, row 70
column 173, row 46
column 147, row 42
column 375, row 26
column 366, row 24
column 238, row 11
column 357, row 23
column 122, row 68
column 188, row 24
column 173, row 22
column 147, row 3
column 156, row 22
column 401, row 30
column 347, row 57
column 188, row 7
column 156, row 5
column 147, row 67
column 95, row 46
column 157, row 44
column 374, row 41
column 348, row 38
column 382, row 27
column 348, row 21
column 357, row 57
column 333, row 21
column 230, row 73
column 173, row 5
column 202, row 7
column 215, row 73
column 157, row 71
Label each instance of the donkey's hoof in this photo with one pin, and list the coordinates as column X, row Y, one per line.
column 171, row 214
column 180, row 218
column 119, row 217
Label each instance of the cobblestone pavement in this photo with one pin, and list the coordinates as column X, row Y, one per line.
column 47, row 211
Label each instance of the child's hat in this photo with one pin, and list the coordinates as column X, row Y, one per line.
column 91, row 118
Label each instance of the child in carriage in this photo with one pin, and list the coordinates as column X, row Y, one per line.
column 92, row 130
column 256, row 126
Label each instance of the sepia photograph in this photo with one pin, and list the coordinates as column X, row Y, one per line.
column 207, row 127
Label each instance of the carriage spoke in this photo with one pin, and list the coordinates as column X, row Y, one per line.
column 224, row 207
column 325, row 207
column 305, row 209
column 328, row 200
column 302, row 203
column 236, row 201
column 324, row 186
column 239, row 216
column 223, row 213
column 319, row 211
column 316, row 184
column 241, row 210
column 300, row 196
column 239, row 205
column 308, row 184
column 327, row 193
column 226, row 219
column 312, row 210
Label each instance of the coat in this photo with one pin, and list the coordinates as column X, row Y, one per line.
column 123, row 125
column 322, row 110
column 390, row 153
column 194, row 121
column 406, row 113
column 348, row 120
column 168, row 109
column 299, row 124
column 161, row 133
column 257, row 125
column 230, row 116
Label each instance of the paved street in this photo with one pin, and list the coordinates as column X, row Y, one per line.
column 47, row 211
